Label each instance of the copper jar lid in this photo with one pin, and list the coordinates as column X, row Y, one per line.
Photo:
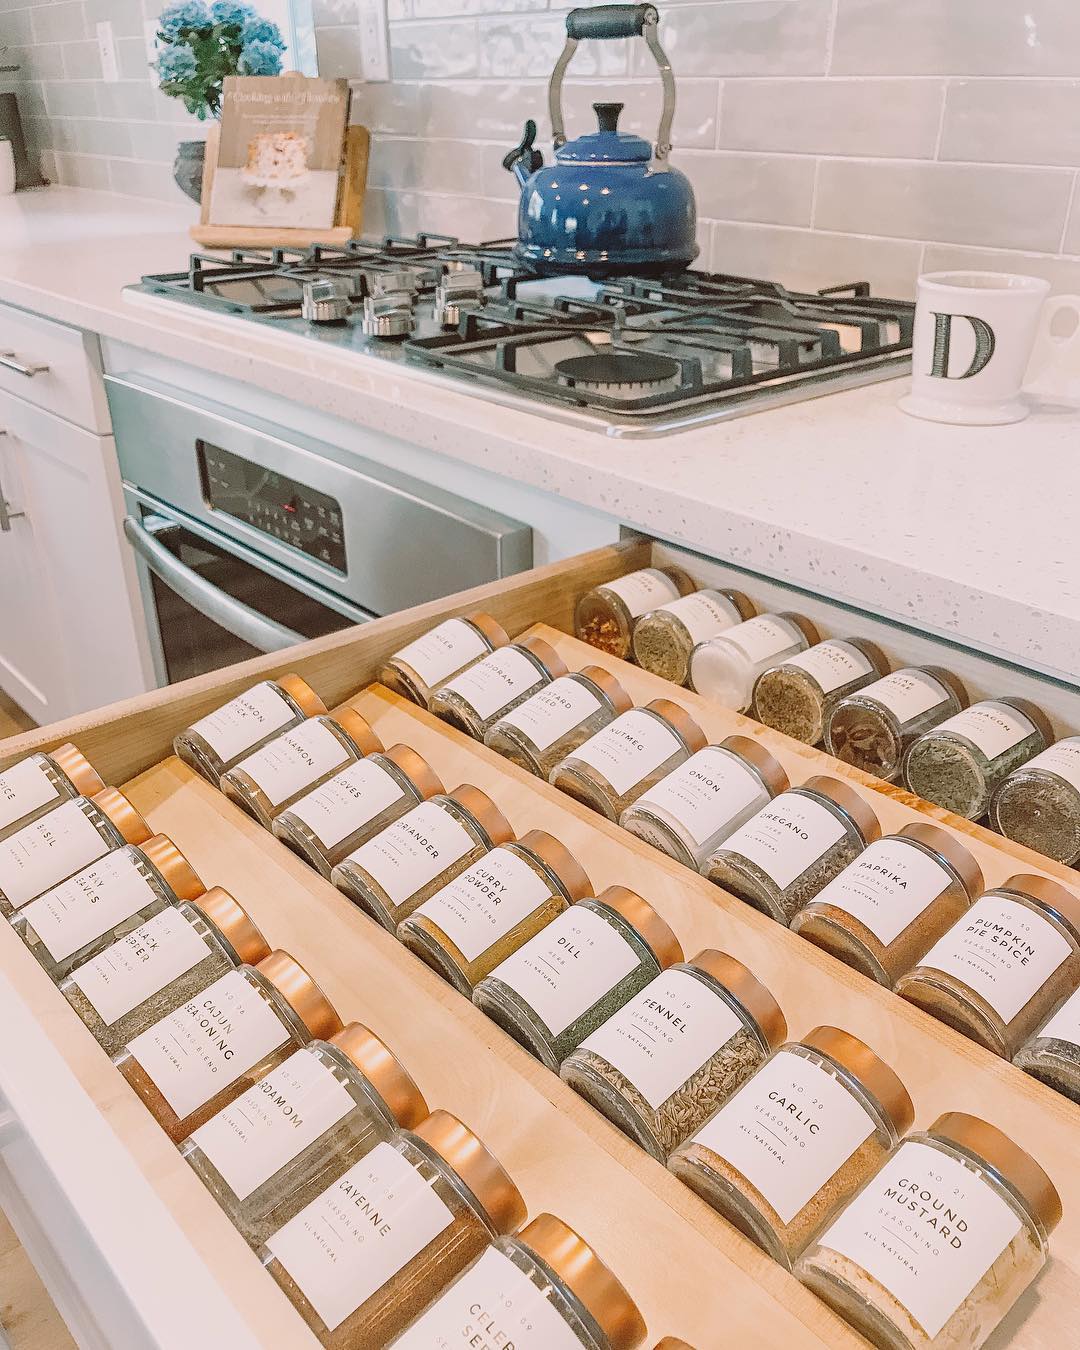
column 71, row 761
column 743, row 604
column 545, row 653
column 1064, row 903
column 561, row 861
column 850, row 802
column 1033, row 713
column 416, row 769
column 495, row 633
column 301, row 993
column 747, row 989
column 579, row 1267
column 677, row 717
column 951, row 682
column 806, row 628
column 1018, row 1168
column 679, row 575
column 609, row 686
column 112, row 803
column 872, row 652
column 769, row 770
column 302, row 694
column 358, row 729
column 940, row 841
column 673, row 1343
column 384, row 1071
column 641, row 916
column 234, row 924
column 478, row 1168
column 484, row 811
column 867, row 1069
column 178, row 874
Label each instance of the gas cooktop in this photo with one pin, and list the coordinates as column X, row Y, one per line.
column 631, row 355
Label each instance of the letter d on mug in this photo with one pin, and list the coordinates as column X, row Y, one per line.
column 974, row 332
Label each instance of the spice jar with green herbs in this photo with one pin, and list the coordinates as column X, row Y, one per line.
column 664, row 638
column 577, row 972
column 1052, row 1054
column 605, row 616
column 554, row 721
column 1039, row 804
column 244, row 724
column 874, row 727
column 798, row 695
column 417, row 670
column 482, row 695
column 40, row 783
column 665, row 1061
column 725, row 668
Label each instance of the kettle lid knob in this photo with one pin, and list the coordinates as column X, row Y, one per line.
column 607, row 115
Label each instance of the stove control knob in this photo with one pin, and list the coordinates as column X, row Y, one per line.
column 458, row 288
column 387, row 316
column 326, row 300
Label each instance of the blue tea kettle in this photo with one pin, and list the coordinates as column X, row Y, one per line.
column 611, row 203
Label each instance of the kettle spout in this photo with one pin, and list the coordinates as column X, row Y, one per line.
column 523, row 161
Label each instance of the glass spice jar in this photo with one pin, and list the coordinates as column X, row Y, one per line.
column 797, row 1140
column 161, row 965
column 1011, row 959
column 604, row 617
column 782, row 857
column 688, row 813
column 874, row 727
column 379, row 1245
column 494, row 907
column 798, row 695
column 885, row 910
column 725, row 668
column 664, row 638
column 612, row 769
column 958, row 764
column 40, row 783
column 1052, row 1054
column 397, row 870
column 662, row 1064
column 236, row 729
column 268, row 1154
column 356, row 804
column 193, row 1062
column 478, row 698
column 451, row 647
column 577, row 972
column 1039, row 804
column 938, row 1246
column 554, row 721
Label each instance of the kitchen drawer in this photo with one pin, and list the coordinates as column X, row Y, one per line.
column 53, row 366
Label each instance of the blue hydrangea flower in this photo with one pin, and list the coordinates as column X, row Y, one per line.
column 260, row 58
column 175, row 63
column 231, row 12
column 262, row 30
column 187, row 14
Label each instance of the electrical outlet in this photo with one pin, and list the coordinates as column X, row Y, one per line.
column 110, row 62
column 374, row 41
column 150, row 32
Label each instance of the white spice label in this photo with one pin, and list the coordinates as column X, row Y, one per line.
column 48, row 850
column 348, row 1242
column 246, row 719
column 787, row 836
column 346, row 802
column 762, row 638
column 442, row 652
column 704, row 614
column 553, row 711
column 1002, row 950
column 907, row 693
column 486, row 901
column 713, row 788
column 89, row 904
column 788, row 1130
column 140, row 964
column 1065, row 1023
column 496, row 681
column 629, row 749
column 832, row 664
column 294, row 760
column 409, row 854
column 665, row 1034
column 273, row 1122
column 992, row 727
column 208, row 1043
column 1062, row 758
column 642, row 591
column 887, row 887
column 24, row 788
column 928, row 1229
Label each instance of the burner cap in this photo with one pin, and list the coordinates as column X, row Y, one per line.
column 601, row 371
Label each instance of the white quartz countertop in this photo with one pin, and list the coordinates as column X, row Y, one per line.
column 968, row 532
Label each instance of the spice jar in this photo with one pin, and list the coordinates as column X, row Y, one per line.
column 1039, row 804
column 725, row 668
column 1053, row 1054
column 958, row 764
column 40, row 783
column 493, row 907
column 886, row 909
column 1011, row 959
column 396, row 871
column 367, row 1256
column 797, row 1140
column 545, row 1289
column 688, row 813
column 798, row 695
column 475, row 700
column 664, row 638
column 939, row 1245
column 268, row 1154
column 353, row 806
column 236, row 729
column 161, row 965
column 56, row 846
column 554, row 721
column 612, row 769
column 792, row 848
column 300, row 759
column 448, row 649
column 577, row 972
column 874, row 727
column 202, row 1056
column 661, row 1065
column 604, row 617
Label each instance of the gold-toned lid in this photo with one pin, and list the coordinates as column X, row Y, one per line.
column 641, row 916
column 177, row 872
column 235, row 925
column 561, row 861
column 495, row 633
column 770, row 771
column 1017, row 1167
column 384, row 1071
column 617, row 696
column 962, row 862
column 873, row 654
column 869, row 1070
column 746, row 607
column 1050, row 893
column 123, row 815
column 302, row 694
column 358, row 729
column 1034, row 714
column 301, row 993
column 545, row 653
column 85, row 779
column 578, row 1266
column 480, row 806
column 679, row 575
column 673, row 1343
column 949, row 680
column 846, row 797
column 478, row 1168
column 416, row 769
column 677, row 716
column 809, row 630
column 747, row 989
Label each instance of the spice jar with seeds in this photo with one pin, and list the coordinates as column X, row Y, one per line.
column 356, row 804
column 223, row 738
column 299, row 760
column 798, row 695
column 1053, row 1054
column 40, row 783
column 688, row 813
column 874, row 727
column 797, row 1140
column 478, row 698
column 998, row 972
column 612, row 769
column 938, row 1246
column 396, row 871
column 375, row 1249
column 782, row 857
column 886, row 909
column 268, row 1154
column 162, row 965
column 605, row 616
column 1039, row 804
column 665, row 637
column 494, row 907
column 958, row 764
column 554, row 721
column 577, row 972
column 202, row 1056
column 725, row 668
column 448, row 649
column 665, row 1061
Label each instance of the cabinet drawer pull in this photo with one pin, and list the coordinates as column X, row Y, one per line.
column 9, row 361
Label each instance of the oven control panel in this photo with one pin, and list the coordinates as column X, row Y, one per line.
column 268, row 501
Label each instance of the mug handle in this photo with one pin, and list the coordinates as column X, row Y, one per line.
column 1054, row 368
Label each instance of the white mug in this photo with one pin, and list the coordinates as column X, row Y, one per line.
column 973, row 337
